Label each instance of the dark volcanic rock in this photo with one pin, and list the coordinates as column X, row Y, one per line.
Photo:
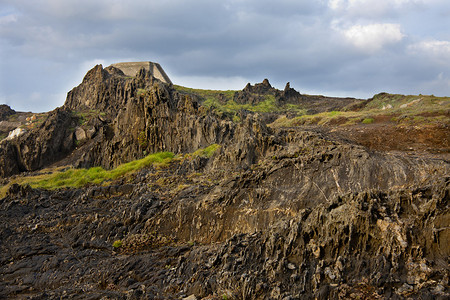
column 143, row 115
column 5, row 111
column 360, row 245
column 39, row 147
column 273, row 214
column 237, row 237
column 255, row 94
column 261, row 92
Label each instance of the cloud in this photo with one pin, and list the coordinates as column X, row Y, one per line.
column 6, row 19
column 214, row 83
column 434, row 49
column 351, row 47
column 371, row 8
column 373, row 37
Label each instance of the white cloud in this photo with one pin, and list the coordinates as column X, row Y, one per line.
column 433, row 47
column 372, row 38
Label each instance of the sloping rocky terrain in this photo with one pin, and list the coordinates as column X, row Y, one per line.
column 280, row 208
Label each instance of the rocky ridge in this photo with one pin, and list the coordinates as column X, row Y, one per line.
column 274, row 213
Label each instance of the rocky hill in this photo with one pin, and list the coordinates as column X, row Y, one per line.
column 139, row 189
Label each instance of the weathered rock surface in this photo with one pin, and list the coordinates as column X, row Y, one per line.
column 5, row 125
column 142, row 115
column 273, row 214
column 5, row 111
column 260, row 92
column 39, row 147
column 236, row 235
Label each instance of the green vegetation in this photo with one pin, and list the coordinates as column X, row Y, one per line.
column 400, row 109
column 51, row 179
column 206, row 152
column 117, row 244
column 409, row 103
column 84, row 116
column 222, row 103
column 205, row 95
column 96, row 175
column 268, row 105
column 34, row 120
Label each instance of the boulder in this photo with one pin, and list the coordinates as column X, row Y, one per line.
column 80, row 134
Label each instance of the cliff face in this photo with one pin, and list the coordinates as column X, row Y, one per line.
column 38, row 148
column 274, row 213
column 143, row 114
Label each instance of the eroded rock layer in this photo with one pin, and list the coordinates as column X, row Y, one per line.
column 290, row 213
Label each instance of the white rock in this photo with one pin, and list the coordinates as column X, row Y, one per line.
column 15, row 133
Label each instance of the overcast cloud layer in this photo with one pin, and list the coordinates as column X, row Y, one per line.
column 333, row 47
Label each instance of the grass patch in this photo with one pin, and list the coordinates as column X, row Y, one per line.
column 221, row 102
column 76, row 178
column 268, row 105
column 85, row 116
column 206, row 152
column 412, row 104
column 399, row 109
column 204, row 95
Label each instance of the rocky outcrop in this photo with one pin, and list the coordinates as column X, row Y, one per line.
column 287, row 213
column 143, row 115
column 189, row 229
column 124, row 117
column 107, row 90
column 255, row 94
column 113, row 119
column 5, row 111
column 5, row 125
column 261, row 92
column 361, row 245
column 285, row 173
column 39, row 147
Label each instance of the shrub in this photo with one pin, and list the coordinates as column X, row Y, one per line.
column 117, row 244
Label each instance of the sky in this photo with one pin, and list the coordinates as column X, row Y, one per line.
column 354, row 48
